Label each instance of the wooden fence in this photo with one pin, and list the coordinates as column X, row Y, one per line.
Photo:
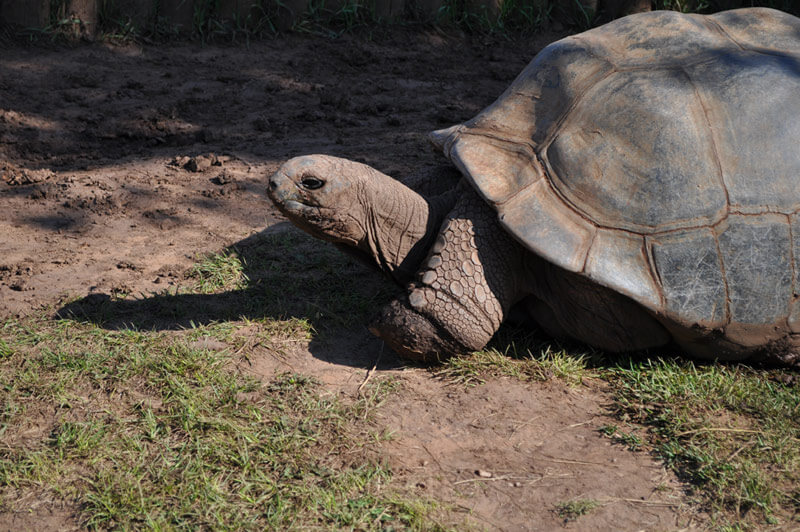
column 183, row 14
column 84, row 17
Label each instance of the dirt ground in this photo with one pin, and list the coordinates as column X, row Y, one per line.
column 121, row 165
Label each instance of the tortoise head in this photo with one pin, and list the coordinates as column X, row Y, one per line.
column 366, row 213
column 324, row 196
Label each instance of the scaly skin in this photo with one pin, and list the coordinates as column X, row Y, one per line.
column 472, row 276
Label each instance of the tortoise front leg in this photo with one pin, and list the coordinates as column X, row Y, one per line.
column 472, row 276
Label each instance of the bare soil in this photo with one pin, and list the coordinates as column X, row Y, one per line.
column 120, row 165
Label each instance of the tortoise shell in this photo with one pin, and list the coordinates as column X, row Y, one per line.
column 658, row 155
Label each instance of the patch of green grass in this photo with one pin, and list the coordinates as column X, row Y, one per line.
column 126, row 21
column 333, row 18
column 521, row 358
column 712, row 6
column 143, row 430
column 219, row 271
column 572, row 510
column 506, row 18
column 632, row 440
column 731, row 430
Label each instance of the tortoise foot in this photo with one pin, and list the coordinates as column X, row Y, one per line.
column 413, row 335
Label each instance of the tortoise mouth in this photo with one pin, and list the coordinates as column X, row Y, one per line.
column 294, row 205
column 299, row 212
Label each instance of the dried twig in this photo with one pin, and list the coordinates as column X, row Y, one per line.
column 717, row 429
column 607, row 500
column 370, row 371
column 537, row 478
column 566, row 461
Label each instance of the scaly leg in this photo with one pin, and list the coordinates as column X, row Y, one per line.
column 464, row 290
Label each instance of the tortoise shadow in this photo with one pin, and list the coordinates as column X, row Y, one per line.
column 289, row 275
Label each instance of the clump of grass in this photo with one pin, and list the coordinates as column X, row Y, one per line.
column 142, row 430
column 218, row 271
column 474, row 368
column 522, row 357
column 730, row 430
column 510, row 16
column 572, row 510
column 631, row 439
column 332, row 18
column 125, row 21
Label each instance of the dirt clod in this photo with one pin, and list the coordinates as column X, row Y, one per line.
column 21, row 176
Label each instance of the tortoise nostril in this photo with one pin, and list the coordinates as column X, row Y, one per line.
column 272, row 184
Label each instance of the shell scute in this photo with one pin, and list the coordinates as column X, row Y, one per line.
column 636, row 154
column 690, row 271
column 757, row 256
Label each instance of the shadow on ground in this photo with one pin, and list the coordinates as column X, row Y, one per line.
column 286, row 275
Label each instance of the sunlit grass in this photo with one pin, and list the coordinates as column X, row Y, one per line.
column 143, row 430
column 220, row 271
column 520, row 356
column 572, row 510
column 731, row 430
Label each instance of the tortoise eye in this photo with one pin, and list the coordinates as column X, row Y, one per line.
column 312, row 183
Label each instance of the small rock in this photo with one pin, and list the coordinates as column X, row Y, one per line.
column 20, row 286
column 201, row 163
column 181, row 161
column 22, row 176
column 483, row 474
column 223, row 178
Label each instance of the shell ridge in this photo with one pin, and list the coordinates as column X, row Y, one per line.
column 712, row 140
column 557, row 124
column 652, row 272
column 715, row 26
column 715, row 232
column 655, row 273
column 721, row 27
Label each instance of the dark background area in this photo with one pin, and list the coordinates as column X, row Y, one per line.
column 246, row 19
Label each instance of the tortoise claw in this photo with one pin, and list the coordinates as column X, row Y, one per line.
column 413, row 335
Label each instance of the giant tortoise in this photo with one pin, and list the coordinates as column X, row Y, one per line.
column 637, row 184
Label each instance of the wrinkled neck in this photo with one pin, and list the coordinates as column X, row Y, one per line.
column 400, row 227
